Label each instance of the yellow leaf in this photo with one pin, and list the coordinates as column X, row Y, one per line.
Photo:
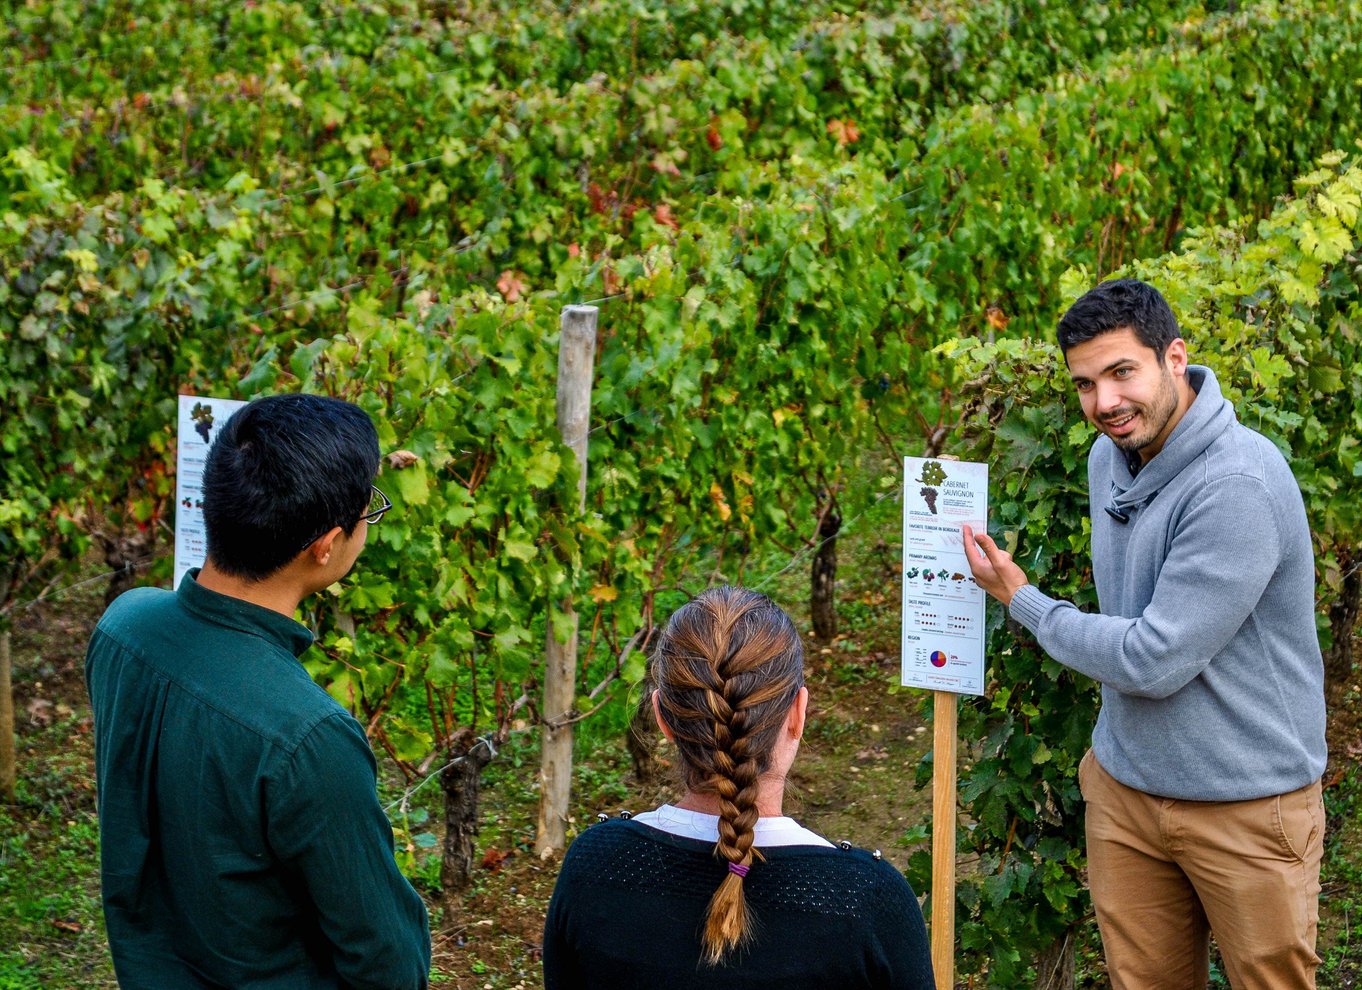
column 604, row 593
column 1325, row 239
column 1339, row 201
column 83, row 259
column 720, row 504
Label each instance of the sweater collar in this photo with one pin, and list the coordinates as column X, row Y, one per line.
column 1209, row 415
column 243, row 616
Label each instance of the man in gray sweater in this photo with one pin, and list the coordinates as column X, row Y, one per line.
column 1203, row 782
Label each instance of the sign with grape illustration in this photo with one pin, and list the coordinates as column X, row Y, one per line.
column 199, row 420
column 943, row 608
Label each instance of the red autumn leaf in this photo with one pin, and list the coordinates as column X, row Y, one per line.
column 511, row 285
column 844, row 132
column 663, row 215
column 600, row 200
column 595, row 197
column 67, row 926
column 712, row 136
column 574, row 250
column 141, row 100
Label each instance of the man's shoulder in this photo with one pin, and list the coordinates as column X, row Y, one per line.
column 1243, row 452
column 223, row 673
column 138, row 605
column 140, row 618
column 1099, row 454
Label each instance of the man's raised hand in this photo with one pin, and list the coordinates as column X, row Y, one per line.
column 992, row 566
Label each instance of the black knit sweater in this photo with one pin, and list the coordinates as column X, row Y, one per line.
column 630, row 905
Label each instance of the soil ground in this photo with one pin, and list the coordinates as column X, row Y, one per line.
column 853, row 780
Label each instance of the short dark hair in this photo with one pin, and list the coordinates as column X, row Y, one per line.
column 282, row 468
column 1118, row 304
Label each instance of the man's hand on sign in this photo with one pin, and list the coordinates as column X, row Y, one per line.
column 992, row 566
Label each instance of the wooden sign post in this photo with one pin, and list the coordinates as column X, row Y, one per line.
column 945, row 707
column 943, row 648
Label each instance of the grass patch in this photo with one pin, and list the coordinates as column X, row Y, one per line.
column 1340, row 946
column 50, row 915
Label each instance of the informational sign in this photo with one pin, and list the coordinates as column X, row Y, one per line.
column 200, row 418
column 943, row 607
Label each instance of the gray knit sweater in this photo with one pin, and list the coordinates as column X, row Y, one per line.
column 1206, row 650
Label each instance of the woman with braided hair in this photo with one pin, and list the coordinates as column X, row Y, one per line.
column 720, row 889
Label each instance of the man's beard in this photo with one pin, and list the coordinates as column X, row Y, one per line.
column 1153, row 417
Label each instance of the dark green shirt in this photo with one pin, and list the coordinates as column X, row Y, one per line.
column 242, row 842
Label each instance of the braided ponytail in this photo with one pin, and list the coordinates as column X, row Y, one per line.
column 726, row 671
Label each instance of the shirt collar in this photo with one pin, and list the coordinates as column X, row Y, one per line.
column 234, row 613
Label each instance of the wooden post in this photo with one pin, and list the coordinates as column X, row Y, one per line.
column 7, row 744
column 945, row 707
column 576, row 357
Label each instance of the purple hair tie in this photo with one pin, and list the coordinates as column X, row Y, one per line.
column 738, row 868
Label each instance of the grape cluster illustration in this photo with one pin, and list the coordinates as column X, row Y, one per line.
column 932, row 475
column 203, row 419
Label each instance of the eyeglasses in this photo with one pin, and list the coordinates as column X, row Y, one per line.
column 378, row 505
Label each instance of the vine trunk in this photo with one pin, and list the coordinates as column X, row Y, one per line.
column 823, row 590
column 461, row 782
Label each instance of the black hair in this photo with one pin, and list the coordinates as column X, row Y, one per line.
column 282, row 469
column 1119, row 304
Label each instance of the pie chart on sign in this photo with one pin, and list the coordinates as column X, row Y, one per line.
column 938, row 658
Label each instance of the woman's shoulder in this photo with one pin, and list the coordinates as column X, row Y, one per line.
column 624, row 855
column 841, row 857
column 605, row 836
column 839, row 875
column 840, row 880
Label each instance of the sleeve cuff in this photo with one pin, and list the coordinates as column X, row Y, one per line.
column 1029, row 606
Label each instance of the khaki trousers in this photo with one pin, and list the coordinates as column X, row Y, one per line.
column 1165, row 873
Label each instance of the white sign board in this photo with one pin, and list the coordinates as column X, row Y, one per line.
column 199, row 420
column 943, row 608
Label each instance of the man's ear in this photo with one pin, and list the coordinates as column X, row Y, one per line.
column 1175, row 357
column 320, row 550
column 661, row 722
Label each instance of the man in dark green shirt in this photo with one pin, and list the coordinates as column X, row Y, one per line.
column 242, row 842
